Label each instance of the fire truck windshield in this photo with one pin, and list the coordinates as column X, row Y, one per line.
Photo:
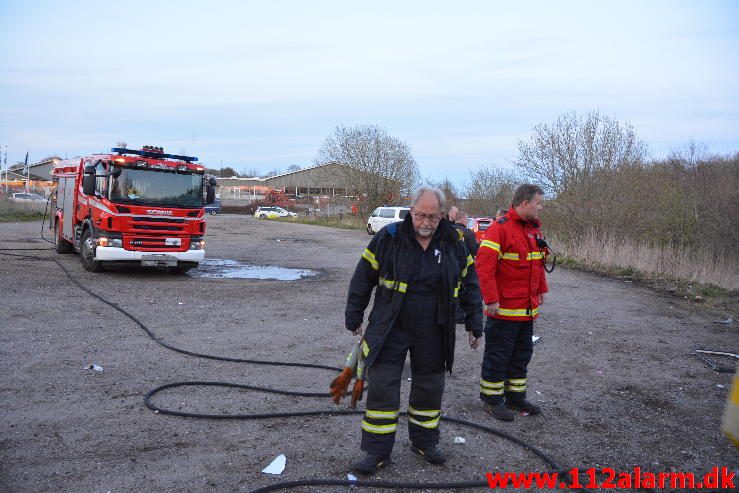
column 155, row 187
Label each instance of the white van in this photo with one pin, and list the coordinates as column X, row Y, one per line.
column 382, row 216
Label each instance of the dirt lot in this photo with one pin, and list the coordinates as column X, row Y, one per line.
column 612, row 372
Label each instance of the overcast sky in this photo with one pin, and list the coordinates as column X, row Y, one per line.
column 262, row 84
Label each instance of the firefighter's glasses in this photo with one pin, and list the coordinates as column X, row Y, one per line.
column 434, row 218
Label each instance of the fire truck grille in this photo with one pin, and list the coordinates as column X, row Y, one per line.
column 162, row 224
column 157, row 228
column 158, row 220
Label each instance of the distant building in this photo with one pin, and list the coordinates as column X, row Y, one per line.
column 328, row 179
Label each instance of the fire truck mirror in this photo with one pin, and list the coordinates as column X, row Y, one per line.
column 210, row 195
column 88, row 183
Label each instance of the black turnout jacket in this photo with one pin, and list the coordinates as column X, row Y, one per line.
column 384, row 265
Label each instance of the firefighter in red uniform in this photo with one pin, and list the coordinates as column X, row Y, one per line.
column 510, row 266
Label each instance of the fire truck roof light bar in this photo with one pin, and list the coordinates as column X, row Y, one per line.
column 155, row 155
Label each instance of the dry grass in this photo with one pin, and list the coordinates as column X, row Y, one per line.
column 14, row 211
column 347, row 221
column 606, row 253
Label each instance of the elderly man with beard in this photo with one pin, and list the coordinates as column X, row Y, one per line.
column 417, row 267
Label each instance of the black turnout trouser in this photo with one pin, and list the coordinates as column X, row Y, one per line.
column 417, row 331
column 508, row 350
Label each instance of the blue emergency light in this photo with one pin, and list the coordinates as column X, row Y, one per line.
column 153, row 154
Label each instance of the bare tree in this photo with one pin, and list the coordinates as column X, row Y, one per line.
column 489, row 189
column 569, row 152
column 584, row 164
column 293, row 167
column 379, row 168
column 450, row 190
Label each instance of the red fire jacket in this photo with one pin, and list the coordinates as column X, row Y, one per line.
column 510, row 266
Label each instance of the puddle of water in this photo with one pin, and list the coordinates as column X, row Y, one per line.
column 215, row 268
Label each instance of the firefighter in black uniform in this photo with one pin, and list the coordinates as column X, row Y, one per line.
column 419, row 267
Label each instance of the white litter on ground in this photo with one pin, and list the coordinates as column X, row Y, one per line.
column 277, row 465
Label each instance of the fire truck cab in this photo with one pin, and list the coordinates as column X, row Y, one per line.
column 141, row 207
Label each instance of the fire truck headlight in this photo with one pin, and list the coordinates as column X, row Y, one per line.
column 197, row 243
column 104, row 241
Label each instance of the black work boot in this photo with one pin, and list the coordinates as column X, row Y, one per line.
column 524, row 405
column 370, row 463
column 499, row 411
column 432, row 454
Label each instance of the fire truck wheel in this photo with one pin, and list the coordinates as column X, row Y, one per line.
column 87, row 253
column 62, row 246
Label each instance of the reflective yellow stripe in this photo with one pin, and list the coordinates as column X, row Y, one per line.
column 529, row 256
column 485, row 391
column 515, row 389
column 517, row 313
column 434, row 423
column 381, row 414
column 430, row 413
column 491, row 385
column 456, row 290
column 370, row 257
column 389, row 284
column 517, row 381
column 490, row 244
column 379, row 429
column 365, row 348
column 470, row 261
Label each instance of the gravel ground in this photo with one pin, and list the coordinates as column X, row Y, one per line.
column 613, row 373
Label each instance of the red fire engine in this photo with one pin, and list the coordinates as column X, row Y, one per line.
column 141, row 207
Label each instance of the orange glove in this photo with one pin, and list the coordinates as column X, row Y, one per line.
column 357, row 392
column 340, row 384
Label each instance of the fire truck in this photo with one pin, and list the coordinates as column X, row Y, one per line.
column 137, row 207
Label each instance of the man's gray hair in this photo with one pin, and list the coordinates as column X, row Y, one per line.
column 425, row 188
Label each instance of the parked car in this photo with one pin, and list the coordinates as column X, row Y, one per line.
column 214, row 208
column 382, row 216
column 27, row 197
column 272, row 212
column 479, row 225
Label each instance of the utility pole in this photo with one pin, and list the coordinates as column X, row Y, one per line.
column 25, row 167
column 6, row 170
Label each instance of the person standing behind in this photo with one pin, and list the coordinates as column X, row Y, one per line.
column 471, row 243
column 500, row 213
column 451, row 215
column 510, row 265
column 469, row 237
